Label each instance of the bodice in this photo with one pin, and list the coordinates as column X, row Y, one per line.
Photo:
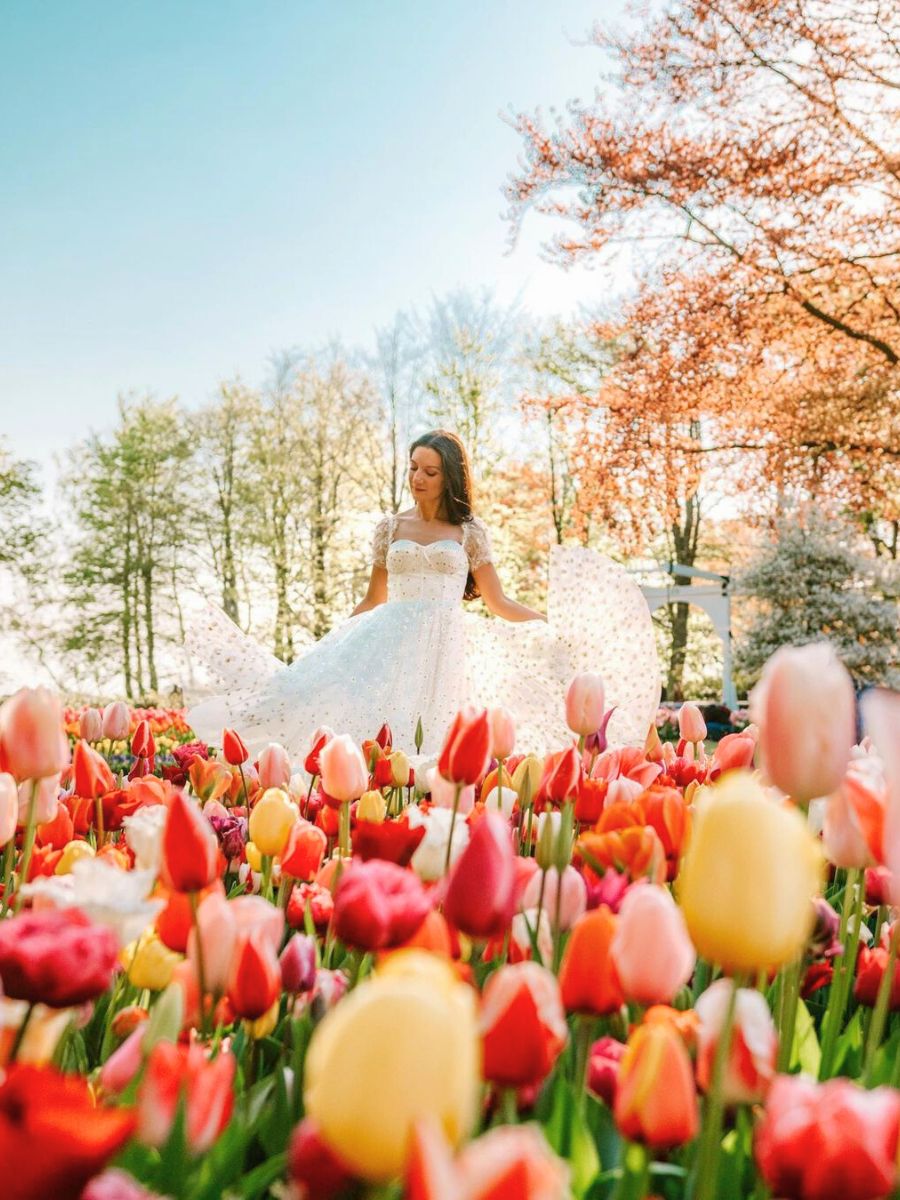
column 435, row 572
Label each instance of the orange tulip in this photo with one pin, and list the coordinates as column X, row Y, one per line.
column 637, row 851
column 209, row 779
column 656, row 1100
column 523, row 1025
column 587, row 976
column 190, row 849
column 91, row 772
column 666, row 812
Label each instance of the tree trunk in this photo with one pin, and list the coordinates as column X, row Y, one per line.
column 684, row 537
column 678, row 651
column 148, row 624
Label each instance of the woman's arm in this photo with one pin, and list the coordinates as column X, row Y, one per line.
column 376, row 593
column 497, row 602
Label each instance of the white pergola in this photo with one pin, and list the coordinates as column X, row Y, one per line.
column 714, row 597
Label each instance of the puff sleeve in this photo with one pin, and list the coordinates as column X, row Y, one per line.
column 477, row 543
column 381, row 541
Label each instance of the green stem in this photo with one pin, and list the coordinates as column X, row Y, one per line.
column 201, row 971
column 840, row 986
column 701, row 977
column 584, row 1029
column 20, row 1033
column 265, row 886
column 882, row 1001
column 557, row 937
column 284, row 890
column 457, row 792
column 9, row 856
column 634, row 1181
column 344, row 829
column 27, row 843
column 500, row 784
column 790, row 996
column 509, row 1106
column 244, row 793
column 706, row 1165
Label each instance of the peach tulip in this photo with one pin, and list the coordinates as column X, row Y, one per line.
column 443, row 793
column 9, row 807
column 750, row 1066
column 46, row 800
column 733, row 751
column 881, row 712
column 572, row 903
column 90, row 725
column 691, row 725
column 33, row 744
column 205, row 1084
column 651, row 948
column 344, row 773
column 806, row 710
column 656, row 1101
column 853, row 831
column 585, row 700
column 274, row 767
column 116, row 722
column 503, row 732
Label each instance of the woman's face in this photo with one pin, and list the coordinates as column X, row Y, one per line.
column 426, row 474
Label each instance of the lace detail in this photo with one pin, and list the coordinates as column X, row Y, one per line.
column 381, row 540
column 477, row 543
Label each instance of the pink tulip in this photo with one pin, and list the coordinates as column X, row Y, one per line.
column 481, row 893
column 345, row 775
column 90, row 725
column 806, row 710
column 124, row 1063
column 854, row 826
column 443, row 792
column 573, row 901
column 881, row 712
column 218, row 931
column 116, row 724
column 627, row 762
column 254, row 914
column 750, row 1066
column 691, row 725
column 33, row 744
column 206, row 1085
column 9, row 808
column 274, row 767
column 585, row 699
column 503, row 732
column 651, row 948
column 733, row 752
column 46, row 800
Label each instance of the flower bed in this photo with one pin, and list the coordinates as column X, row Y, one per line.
column 613, row 972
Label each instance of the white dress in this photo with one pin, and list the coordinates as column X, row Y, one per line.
column 420, row 656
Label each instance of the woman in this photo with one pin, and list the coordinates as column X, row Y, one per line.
column 410, row 655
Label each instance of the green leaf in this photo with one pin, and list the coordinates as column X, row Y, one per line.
column 849, row 1049
column 885, row 1060
column 567, row 1132
column 805, row 1052
column 256, row 1182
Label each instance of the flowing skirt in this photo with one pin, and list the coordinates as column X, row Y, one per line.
column 417, row 661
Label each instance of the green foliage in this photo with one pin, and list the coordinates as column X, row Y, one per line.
column 811, row 581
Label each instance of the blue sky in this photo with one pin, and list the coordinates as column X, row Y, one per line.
column 188, row 186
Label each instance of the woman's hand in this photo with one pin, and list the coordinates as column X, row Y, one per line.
column 497, row 601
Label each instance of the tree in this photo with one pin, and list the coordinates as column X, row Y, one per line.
column 128, row 497
column 756, row 146
column 396, row 368
column 810, row 581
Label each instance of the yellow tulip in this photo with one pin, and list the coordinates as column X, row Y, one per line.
column 749, row 877
column 254, row 858
column 150, row 963
column 526, row 778
column 371, row 807
column 399, row 769
column 401, row 1047
column 72, row 852
column 271, row 821
column 263, row 1025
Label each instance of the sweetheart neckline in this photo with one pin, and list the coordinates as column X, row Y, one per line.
column 425, row 545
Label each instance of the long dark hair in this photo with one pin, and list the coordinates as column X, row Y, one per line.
column 457, row 496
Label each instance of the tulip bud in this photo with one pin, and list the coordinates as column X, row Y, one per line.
column 481, row 894
column 656, row 1101
column 233, row 748
column 9, row 807
column 549, row 824
column 503, row 732
column 255, row 982
column 149, row 963
column 142, row 743
column 344, row 773
column 371, row 807
column 691, row 725
column 298, row 964
column 91, row 772
column 33, row 744
column 562, row 772
column 90, row 725
column 190, row 849
column 526, row 778
column 274, row 767
column 466, row 752
column 399, row 769
column 116, row 721
column 271, row 821
column 385, row 738
column 806, row 709
column 585, row 699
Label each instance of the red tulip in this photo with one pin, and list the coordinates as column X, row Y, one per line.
column 656, row 1101
column 750, row 1066
column 394, row 841
column 562, row 773
column 233, row 748
column 523, row 1025
column 53, row 1137
column 467, row 747
column 313, row 1167
column 481, row 893
column 255, row 982
column 828, row 1141
column 604, row 1059
column 33, row 744
column 56, row 957
column 870, row 968
column 180, row 1071
column 378, row 905
column 190, row 849
column 142, row 743
column 91, row 772
column 321, row 738
column 385, row 738
column 305, row 849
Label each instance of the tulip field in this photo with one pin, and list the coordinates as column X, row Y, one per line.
column 608, row 973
